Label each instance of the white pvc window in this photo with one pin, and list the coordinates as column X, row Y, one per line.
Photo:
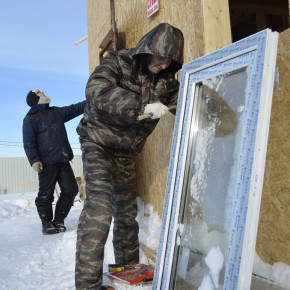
column 216, row 170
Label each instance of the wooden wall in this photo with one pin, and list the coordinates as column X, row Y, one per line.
column 202, row 23
column 273, row 240
column 206, row 27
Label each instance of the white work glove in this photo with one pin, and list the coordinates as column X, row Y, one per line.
column 156, row 109
column 37, row 166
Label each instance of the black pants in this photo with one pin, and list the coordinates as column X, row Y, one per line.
column 48, row 177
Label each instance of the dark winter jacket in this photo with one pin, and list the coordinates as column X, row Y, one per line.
column 44, row 134
column 120, row 88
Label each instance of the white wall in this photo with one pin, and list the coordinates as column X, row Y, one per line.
column 17, row 176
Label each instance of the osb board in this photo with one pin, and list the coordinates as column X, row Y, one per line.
column 132, row 24
column 98, row 25
column 273, row 240
column 217, row 29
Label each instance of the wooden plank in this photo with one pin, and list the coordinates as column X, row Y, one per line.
column 107, row 40
column 273, row 241
column 150, row 253
column 216, row 21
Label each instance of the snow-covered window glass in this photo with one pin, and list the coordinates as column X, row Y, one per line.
column 207, row 187
column 216, row 168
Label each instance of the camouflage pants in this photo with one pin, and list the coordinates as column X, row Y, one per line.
column 111, row 191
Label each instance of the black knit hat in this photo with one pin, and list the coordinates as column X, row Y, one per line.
column 32, row 98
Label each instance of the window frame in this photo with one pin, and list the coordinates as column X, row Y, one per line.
column 259, row 99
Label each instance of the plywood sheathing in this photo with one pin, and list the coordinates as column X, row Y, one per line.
column 217, row 29
column 206, row 27
column 273, row 240
column 98, row 25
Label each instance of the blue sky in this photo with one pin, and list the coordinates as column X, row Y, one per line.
column 38, row 51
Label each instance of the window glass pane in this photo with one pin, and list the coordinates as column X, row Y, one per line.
column 210, row 177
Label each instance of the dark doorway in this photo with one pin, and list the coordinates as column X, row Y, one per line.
column 250, row 16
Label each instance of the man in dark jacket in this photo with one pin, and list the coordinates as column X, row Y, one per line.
column 128, row 83
column 48, row 151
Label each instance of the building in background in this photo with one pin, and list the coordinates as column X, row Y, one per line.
column 17, row 176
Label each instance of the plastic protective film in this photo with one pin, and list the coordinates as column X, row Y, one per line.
column 215, row 177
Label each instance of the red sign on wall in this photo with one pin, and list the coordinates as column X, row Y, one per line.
column 152, row 7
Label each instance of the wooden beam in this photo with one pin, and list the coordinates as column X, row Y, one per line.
column 216, row 21
column 113, row 24
column 81, row 40
column 107, row 40
column 109, row 43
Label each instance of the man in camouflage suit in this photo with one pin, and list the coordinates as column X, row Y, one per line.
column 128, row 83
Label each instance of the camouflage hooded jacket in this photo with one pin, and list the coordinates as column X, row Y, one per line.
column 120, row 88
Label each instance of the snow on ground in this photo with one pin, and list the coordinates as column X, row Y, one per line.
column 29, row 260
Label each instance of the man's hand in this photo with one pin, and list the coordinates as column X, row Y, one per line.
column 37, row 166
column 156, row 109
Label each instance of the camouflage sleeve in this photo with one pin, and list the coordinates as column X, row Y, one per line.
column 104, row 93
column 172, row 93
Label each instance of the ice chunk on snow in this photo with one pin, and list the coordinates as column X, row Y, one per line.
column 206, row 283
column 215, row 260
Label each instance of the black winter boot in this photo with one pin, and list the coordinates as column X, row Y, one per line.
column 48, row 228
column 59, row 226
